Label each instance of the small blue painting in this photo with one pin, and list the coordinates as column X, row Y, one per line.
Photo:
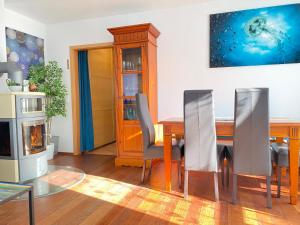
column 261, row 36
column 24, row 49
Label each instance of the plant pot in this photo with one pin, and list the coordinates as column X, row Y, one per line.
column 55, row 140
column 15, row 88
column 50, row 151
column 32, row 87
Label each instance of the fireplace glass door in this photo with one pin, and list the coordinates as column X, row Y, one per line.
column 34, row 137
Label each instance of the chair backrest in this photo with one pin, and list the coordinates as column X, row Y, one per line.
column 199, row 131
column 145, row 121
column 251, row 143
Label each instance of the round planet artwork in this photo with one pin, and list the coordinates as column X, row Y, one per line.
column 255, row 37
column 24, row 49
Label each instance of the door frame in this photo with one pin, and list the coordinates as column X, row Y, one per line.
column 75, row 88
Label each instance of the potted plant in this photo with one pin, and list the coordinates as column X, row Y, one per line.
column 13, row 85
column 48, row 79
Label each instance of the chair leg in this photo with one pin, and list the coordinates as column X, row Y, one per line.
column 179, row 173
column 222, row 173
column 278, row 181
column 216, row 183
column 186, row 183
column 143, row 173
column 227, row 174
column 269, row 196
column 234, row 188
column 150, row 169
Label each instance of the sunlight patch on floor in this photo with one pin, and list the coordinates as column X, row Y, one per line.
column 151, row 202
column 207, row 214
column 180, row 211
column 167, row 207
column 105, row 189
column 249, row 217
column 253, row 217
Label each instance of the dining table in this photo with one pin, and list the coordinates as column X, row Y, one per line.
column 279, row 127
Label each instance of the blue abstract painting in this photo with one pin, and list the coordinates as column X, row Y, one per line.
column 255, row 37
column 24, row 49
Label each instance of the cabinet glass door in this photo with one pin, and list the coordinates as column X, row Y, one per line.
column 132, row 80
column 130, row 109
column 131, row 59
column 132, row 84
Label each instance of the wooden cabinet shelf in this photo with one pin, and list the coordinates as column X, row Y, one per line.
column 128, row 97
column 136, row 72
column 131, row 122
column 126, row 72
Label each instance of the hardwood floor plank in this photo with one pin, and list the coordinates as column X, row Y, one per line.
column 113, row 195
column 60, row 212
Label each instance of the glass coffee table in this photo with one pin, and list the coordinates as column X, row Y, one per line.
column 10, row 191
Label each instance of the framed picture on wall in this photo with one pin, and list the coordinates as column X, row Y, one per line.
column 24, row 49
column 252, row 37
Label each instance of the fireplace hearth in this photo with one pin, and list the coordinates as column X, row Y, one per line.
column 22, row 136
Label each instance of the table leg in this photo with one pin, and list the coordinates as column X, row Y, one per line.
column 167, row 160
column 31, row 206
column 294, row 161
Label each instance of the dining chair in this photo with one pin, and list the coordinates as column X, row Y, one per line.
column 251, row 145
column 200, row 142
column 280, row 157
column 152, row 150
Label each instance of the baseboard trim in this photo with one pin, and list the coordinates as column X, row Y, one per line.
column 130, row 162
column 67, row 153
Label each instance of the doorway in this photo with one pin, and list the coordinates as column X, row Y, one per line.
column 102, row 91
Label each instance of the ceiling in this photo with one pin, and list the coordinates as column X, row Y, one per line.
column 56, row 11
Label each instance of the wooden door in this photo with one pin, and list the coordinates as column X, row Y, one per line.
column 102, row 92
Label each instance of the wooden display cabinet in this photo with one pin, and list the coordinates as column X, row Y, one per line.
column 136, row 72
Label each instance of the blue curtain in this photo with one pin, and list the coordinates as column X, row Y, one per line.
column 86, row 115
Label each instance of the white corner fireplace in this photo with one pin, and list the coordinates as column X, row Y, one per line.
column 23, row 144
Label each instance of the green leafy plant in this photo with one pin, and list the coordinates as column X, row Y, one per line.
column 37, row 75
column 49, row 79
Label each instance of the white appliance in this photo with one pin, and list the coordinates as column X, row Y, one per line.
column 23, row 153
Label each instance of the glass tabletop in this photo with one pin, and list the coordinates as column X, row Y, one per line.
column 9, row 191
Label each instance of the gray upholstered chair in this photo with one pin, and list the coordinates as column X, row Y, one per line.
column 150, row 148
column 251, row 145
column 200, row 136
column 280, row 156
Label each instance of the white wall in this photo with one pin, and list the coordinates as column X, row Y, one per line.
column 24, row 24
column 183, row 56
column 2, row 38
column 2, row 33
column 21, row 23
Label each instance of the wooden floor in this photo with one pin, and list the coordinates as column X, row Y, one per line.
column 109, row 149
column 110, row 195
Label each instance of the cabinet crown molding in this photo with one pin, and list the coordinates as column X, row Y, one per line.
column 135, row 28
